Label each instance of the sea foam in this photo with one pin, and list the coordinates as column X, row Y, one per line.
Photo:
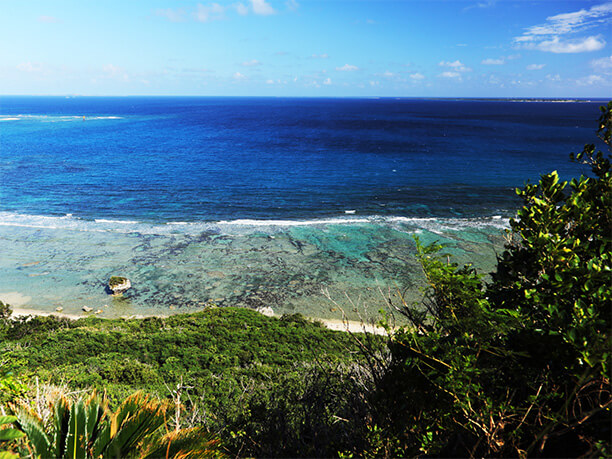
column 240, row 226
column 57, row 118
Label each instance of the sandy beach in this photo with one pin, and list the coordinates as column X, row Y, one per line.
column 351, row 326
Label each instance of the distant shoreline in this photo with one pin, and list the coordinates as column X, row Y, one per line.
column 416, row 98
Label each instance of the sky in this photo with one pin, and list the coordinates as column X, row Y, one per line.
column 307, row 48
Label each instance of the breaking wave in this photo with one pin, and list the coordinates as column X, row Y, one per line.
column 242, row 226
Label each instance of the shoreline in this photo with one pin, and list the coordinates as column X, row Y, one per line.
column 348, row 326
column 351, row 326
column 317, row 271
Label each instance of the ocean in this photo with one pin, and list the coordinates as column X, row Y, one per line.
column 302, row 205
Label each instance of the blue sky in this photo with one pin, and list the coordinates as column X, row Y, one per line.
column 308, row 48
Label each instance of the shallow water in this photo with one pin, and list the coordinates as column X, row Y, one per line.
column 319, row 270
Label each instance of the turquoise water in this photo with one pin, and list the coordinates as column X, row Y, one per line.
column 319, row 270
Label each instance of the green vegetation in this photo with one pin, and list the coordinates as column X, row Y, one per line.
column 516, row 366
column 239, row 373
column 87, row 428
column 120, row 355
column 9, row 436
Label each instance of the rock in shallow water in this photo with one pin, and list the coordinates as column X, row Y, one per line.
column 118, row 285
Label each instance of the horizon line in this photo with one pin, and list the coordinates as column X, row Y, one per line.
column 68, row 96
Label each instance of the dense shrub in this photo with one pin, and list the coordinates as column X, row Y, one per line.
column 237, row 368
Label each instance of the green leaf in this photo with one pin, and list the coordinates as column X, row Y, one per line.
column 35, row 432
column 10, row 434
column 76, row 439
column 61, row 419
column 136, row 418
column 7, row 419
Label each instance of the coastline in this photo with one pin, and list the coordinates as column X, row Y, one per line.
column 349, row 326
column 352, row 326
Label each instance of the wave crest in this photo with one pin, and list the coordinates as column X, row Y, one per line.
column 57, row 118
column 241, row 226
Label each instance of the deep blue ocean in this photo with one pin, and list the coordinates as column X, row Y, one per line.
column 167, row 159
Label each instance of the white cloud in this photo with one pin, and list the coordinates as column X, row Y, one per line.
column 536, row 66
column 388, row 74
column 207, row 12
column 320, row 56
column 450, row 75
column 347, row 68
column 416, row 76
column 277, row 81
column 313, row 83
column 549, row 37
column 30, row 67
column 554, row 78
column 485, row 4
column 48, row 19
column 558, row 46
column 495, row 81
column 493, row 62
column 561, row 24
column 603, row 64
column 239, row 76
column 591, row 80
column 114, row 72
column 327, row 81
column 241, row 9
column 251, row 63
column 262, row 7
column 210, row 12
column 455, row 66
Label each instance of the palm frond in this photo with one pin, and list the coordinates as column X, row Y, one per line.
column 186, row 444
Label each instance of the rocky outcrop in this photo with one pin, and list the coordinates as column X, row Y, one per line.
column 118, row 285
column 266, row 311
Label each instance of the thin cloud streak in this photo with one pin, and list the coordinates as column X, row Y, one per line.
column 551, row 36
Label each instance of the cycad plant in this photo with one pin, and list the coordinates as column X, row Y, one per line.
column 88, row 429
column 8, row 435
